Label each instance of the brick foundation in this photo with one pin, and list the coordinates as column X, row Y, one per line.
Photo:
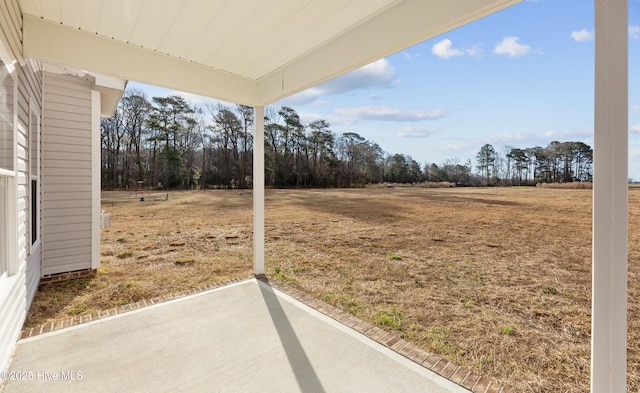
column 67, row 276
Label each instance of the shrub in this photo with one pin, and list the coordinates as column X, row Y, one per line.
column 568, row 186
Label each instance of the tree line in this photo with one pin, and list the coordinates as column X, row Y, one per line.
column 165, row 142
column 559, row 162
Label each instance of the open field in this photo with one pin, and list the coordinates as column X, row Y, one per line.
column 497, row 280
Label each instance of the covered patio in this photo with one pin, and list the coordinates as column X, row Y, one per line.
column 245, row 336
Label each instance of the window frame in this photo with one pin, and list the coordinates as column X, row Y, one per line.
column 34, row 176
column 9, row 266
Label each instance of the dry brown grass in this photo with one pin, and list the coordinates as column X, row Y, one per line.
column 567, row 186
column 498, row 280
column 441, row 184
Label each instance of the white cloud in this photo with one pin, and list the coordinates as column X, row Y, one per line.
column 467, row 147
column 333, row 120
column 589, row 35
column 409, row 56
column 385, row 113
column 568, row 134
column 444, row 50
column 416, row 132
column 635, row 107
column 635, row 129
column 583, row 35
column 509, row 46
column 475, row 50
column 379, row 74
column 506, row 138
column 308, row 96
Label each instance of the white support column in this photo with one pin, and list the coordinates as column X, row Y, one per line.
column 95, row 178
column 258, row 190
column 609, row 279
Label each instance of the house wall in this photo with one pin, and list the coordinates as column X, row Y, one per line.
column 67, row 192
column 18, row 287
column 29, row 104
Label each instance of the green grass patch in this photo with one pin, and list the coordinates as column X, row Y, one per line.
column 77, row 309
column 508, row 330
column 390, row 317
column 125, row 254
column 438, row 338
column 299, row 269
column 280, row 275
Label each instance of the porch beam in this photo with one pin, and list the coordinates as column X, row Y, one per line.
column 258, row 190
column 610, row 188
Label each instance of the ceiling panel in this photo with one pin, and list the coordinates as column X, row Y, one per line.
column 51, row 10
column 255, row 30
column 142, row 26
column 200, row 14
column 170, row 21
column 70, row 10
column 199, row 48
column 129, row 17
column 230, row 20
column 90, row 15
column 109, row 18
column 32, row 8
column 308, row 17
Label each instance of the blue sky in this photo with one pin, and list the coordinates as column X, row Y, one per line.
column 522, row 77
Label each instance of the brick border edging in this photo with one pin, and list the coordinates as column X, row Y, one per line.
column 451, row 371
column 459, row 375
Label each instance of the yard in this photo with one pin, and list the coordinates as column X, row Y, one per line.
column 497, row 280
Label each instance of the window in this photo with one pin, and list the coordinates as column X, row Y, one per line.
column 6, row 116
column 34, row 170
column 7, row 174
column 34, row 212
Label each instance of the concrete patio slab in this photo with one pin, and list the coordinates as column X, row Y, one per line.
column 244, row 337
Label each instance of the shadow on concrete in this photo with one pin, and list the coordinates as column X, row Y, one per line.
column 306, row 376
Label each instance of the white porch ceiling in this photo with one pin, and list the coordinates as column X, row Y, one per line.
column 252, row 52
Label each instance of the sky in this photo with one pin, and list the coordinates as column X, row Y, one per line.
column 522, row 78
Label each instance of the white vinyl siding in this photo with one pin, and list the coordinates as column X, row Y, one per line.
column 19, row 285
column 49, row 176
column 12, row 289
column 66, row 174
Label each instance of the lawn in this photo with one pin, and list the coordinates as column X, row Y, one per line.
column 497, row 280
